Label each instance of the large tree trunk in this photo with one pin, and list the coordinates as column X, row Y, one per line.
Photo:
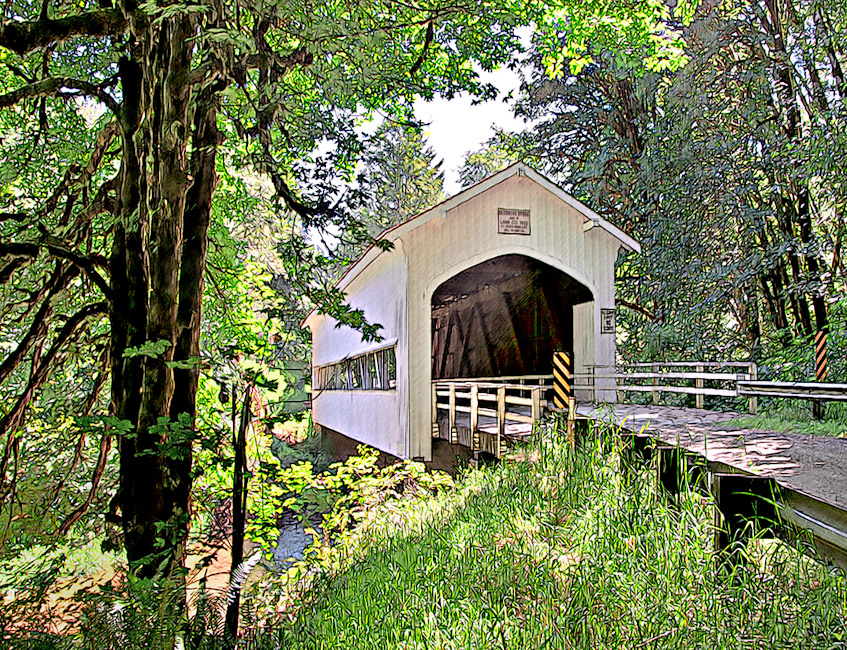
column 157, row 263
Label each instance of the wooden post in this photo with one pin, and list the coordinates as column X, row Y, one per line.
column 367, row 379
column 655, row 382
column 592, row 384
column 435, row 432
column 454, row 433
column 753, row 402
column 475, row 415
column 434, row 398
column 536, row 405
column 570, row 425
column 699, row 401
column 501, row 420
column 668, row 469
column 637, row 449
column 743, row 504
column 475, row 425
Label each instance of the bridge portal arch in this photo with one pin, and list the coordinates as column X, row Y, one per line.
column 505, row 316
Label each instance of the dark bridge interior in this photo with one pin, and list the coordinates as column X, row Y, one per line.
column 503, row 317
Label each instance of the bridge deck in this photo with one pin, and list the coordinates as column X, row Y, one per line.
column 812, row 465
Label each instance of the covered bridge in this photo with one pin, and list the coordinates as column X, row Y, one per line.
column 489, row 283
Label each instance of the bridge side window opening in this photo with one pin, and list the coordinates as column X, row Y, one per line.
column 376, row 370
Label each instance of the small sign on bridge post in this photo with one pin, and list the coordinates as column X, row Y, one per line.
column 562, row 380
column 821, row 369
column 563, row 390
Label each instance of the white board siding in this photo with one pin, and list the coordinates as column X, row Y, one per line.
column 378, row 418
column 443, row 247
column 583, row 343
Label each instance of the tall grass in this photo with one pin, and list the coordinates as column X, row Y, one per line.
column 560, row 551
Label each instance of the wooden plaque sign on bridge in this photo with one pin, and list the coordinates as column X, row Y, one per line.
column 512, row 222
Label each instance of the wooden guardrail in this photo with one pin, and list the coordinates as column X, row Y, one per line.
column 495, row 398
column 673, row 377
column 522, row 399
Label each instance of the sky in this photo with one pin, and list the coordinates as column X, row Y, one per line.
column 456, row 127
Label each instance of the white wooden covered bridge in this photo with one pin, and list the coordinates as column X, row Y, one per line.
column 474, row 299
column 488, row 284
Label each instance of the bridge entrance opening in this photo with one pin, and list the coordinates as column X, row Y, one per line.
column 503, row 318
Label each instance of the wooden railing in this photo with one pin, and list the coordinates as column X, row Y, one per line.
column 523, row 399
column 673, row 377
column 504, row 399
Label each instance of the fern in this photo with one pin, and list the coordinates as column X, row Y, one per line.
column 240, row 575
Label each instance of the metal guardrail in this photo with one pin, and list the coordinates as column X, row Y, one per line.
column 668, row 378
column 794, row 389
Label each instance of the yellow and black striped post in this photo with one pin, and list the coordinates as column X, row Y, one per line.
column 562, row 380
column 820, row 356
column 820, row 370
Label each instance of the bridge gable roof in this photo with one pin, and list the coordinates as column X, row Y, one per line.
column 591, row 218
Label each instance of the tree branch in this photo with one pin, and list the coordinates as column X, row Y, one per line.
column 96, row 476
column 13, row 419
column 25, row 36
column 87, row 264
column 38, row 328
column 637, row 308
column 59, row 249
column 53, row 86
column 427, row 41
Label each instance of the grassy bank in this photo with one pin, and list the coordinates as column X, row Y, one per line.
column 554, row 549
column 557, row 551
column 786, row 421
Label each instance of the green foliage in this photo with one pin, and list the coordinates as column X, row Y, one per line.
column 652, row 31
column 42, row 578
column 56, row 457
column 731, row 189
column 351, row 495
column 148, row 349
column 403, row 177
column 554, row 550
column 499, row 152
column 125, row 131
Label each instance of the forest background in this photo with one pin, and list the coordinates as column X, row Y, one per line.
column 165, row 160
